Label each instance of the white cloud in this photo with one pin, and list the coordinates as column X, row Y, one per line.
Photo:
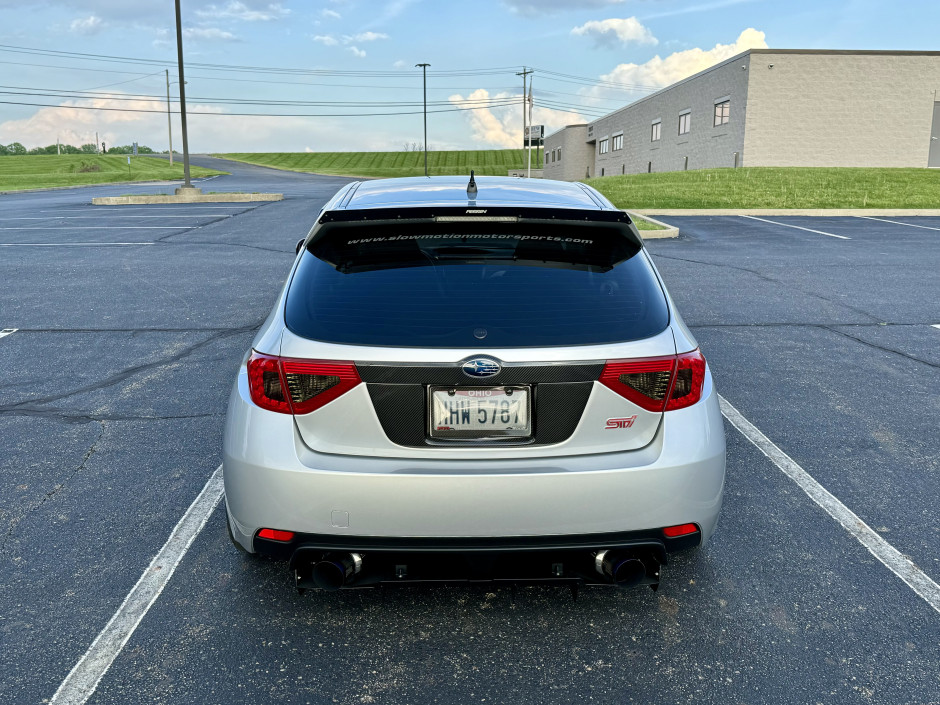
column 236, row 10
column 365, row 37
column 326, row 40
column 399, row 64
column 86, row 25
column 659, row 72
column 502, row 126
column 534, row 8
column 358, row 53
column 614, row 32
column 209, row 33
column 215, row 132
column 332, row 14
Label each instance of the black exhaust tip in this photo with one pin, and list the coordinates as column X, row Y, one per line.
column 622, row 569
column 336, row 570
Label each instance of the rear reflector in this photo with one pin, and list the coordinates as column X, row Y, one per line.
column 276, row 535
column 672, row 532
column 658, row 383
column 310, row 384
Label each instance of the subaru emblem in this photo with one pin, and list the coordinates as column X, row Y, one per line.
column 481, row 367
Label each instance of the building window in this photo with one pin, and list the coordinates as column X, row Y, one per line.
column 656, row 132
column 603, row 146
column 685, row 123
column 559, row 154
column 618, row 142
column 553, row 156
column 722, row 113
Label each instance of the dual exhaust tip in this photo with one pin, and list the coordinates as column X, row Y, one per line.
column 336, row 570
column 622, row 568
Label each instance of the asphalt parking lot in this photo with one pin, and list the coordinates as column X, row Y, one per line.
column 128, row 324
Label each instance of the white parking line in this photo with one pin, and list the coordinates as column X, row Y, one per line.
column 935, row 325
column 7, row 331
column 83, row 679
column 897, row 222
column 74, row 244
column 796, row 227
column 98, row 217
column 894, row 560
column 80, row 684
column 105, row 227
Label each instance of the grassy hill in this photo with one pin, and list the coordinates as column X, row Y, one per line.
column 772, row 187
column 488, row 162
column 44, row 170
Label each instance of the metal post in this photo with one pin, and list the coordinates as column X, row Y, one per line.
column 524, row 73
column 179, row 52
column 424, row 73
column 528, row 144
column 169, row 122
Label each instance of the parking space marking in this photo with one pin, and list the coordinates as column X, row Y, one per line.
column 98, row 217
column 797, row 227
column 7, row 331
column 104, row 227
column 897, row 222
column 73, row 244
column 894, row 560
column 935, row 325
column 83, row 679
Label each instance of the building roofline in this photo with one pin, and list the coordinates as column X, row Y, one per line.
column 743, row 54
column 845, row 52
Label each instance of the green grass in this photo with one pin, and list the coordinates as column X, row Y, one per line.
column 644, row 224
column 44, row 170
column 485, row 162
column 772, row 187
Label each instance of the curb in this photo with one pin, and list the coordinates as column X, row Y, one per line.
column 197, row 198
column 816, row 212
column 150, row 182
column 667, row 230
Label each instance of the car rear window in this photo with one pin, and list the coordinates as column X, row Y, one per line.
column 475, row 284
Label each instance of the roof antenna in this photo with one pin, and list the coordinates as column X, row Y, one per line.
column 472, row 187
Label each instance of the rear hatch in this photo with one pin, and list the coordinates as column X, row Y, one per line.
column 503, row 335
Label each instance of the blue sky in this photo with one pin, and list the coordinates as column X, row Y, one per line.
column 349, row 58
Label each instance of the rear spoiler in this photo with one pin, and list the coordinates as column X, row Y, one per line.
column 329, row 220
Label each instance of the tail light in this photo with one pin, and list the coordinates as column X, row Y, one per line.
column 658, row 383
column 287, row 385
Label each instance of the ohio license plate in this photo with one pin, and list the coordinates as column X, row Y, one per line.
column 480, row 412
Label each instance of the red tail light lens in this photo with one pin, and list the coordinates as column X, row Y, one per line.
column 266, row 383
column 658, row 383
column 690, row 378
column 287, row 385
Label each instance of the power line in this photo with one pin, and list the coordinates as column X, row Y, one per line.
column 191, row 112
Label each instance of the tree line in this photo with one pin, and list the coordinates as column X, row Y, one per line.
column 15, row 148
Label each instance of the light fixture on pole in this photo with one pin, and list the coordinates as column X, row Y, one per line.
column 424, row 73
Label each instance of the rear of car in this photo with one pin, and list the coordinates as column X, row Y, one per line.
column 453, row 388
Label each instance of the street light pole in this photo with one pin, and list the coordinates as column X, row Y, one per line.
column 179, row 52
column 424, row 72
column 525, row 72
column 169, row 121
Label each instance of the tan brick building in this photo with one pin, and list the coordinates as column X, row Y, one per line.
column 769, row 107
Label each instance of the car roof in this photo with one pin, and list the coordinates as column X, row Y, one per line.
column 422, row 191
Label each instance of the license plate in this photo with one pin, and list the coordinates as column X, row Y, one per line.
column 480, row 412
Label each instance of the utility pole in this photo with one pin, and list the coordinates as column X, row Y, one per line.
column 97, row 143
column 179, row 51
column 424, row 73
column 169, row 122
column 528, row 174
column 524, row 73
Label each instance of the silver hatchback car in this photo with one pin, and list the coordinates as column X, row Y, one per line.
column 473, row 381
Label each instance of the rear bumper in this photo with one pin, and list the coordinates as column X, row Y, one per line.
column 275, row 481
